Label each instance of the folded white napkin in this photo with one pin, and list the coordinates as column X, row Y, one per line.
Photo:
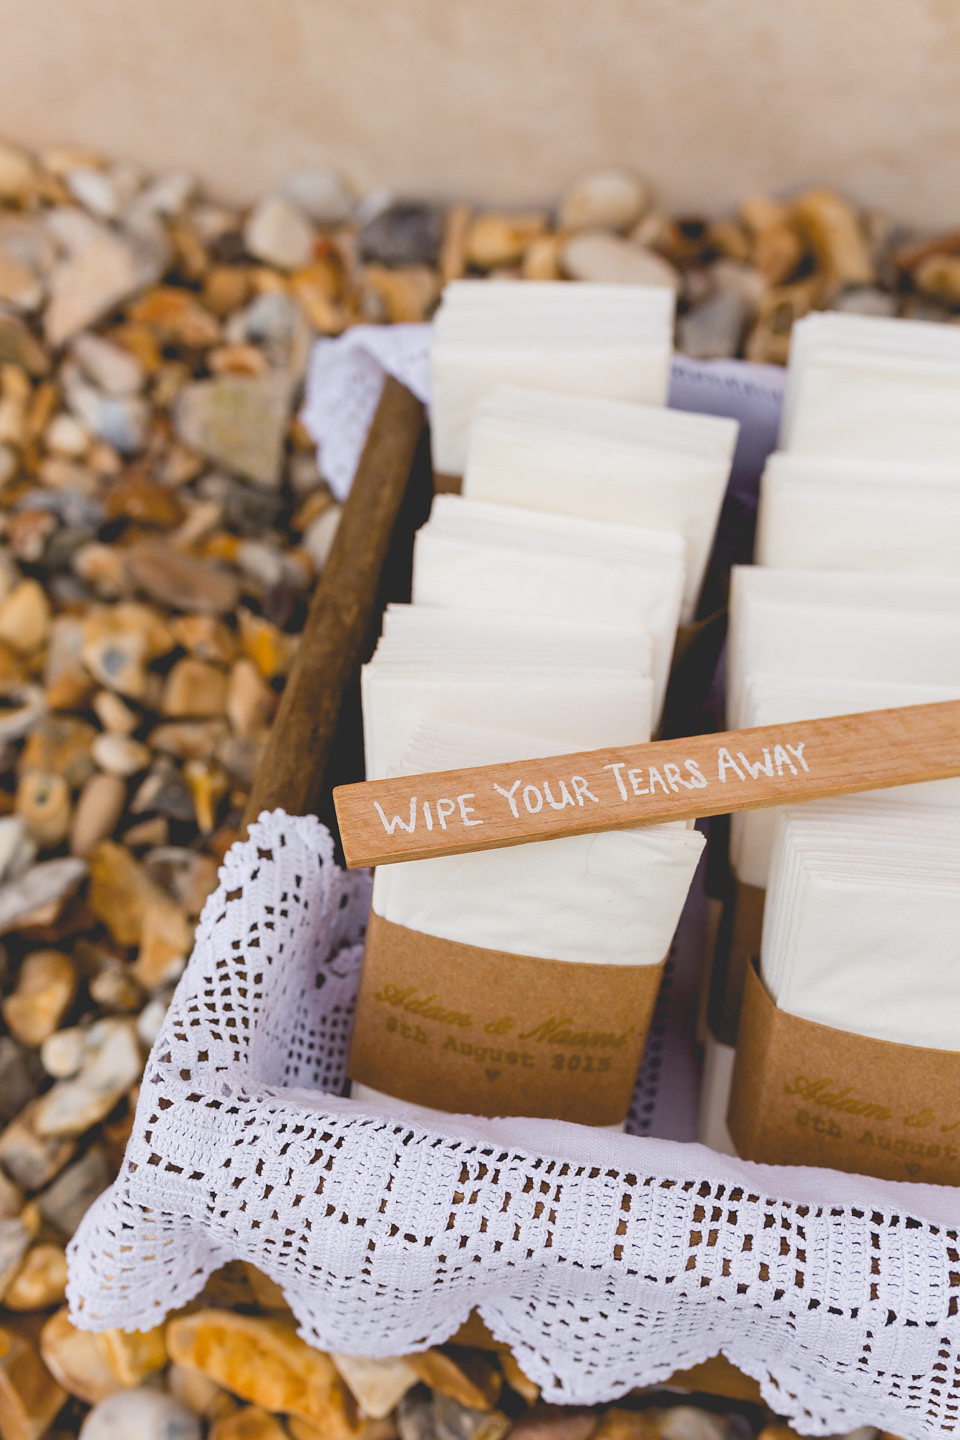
column 530, row 563
column 829, row 625
column 612, row 340
column 567, row 683
column 862, row 917
column 873, row 388
column 776, row 699
column 605, row 460
column 828, row 514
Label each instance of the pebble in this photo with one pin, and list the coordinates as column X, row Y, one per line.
column 14, row 1241
column 164, row 792
column 865, row 300
column 466, row 1376
column 194, row 688
column 112, row 1064
column 109, row 366
column 455, row 1421
column 685, row 1422
column 67, row 436
column 402, row 234
column 29, row 1399
column 120, row 755
column 30, row 1159
column 278, row 233
column 146, row 1414
column 36, row 896
column 43, row 802
column 76, row 1360
column 102, row 271
column 95, row 191
column 236, row 421
column 113, row 713
column 114, row 988
column 321, row 194
column 407, row 294
column 501, row 239
column 833, row 228
column 46, row 985
column 41, row 1281
column 320, row 534
column 20, row 1077
column 151, row 1018
column 607, row 259
column 939, row 276
column 712, row 330
column 263, row 1361
column 121, row 420
column 16, row 172
column 183, row 582
column 199, row 1393
column 554, row 1422
column 11, row 1198
column 611, row 199
column 377, row 1385
column 25, row 617
column 251, row 1423
column 62, row 1052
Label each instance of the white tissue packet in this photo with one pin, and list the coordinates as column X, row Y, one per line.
column 862, row 917
column 779, row 700
column 528, row 563
column 609, row 340
column 826, row 514
column 840, row 626
column 605, row 460
column 873, row 388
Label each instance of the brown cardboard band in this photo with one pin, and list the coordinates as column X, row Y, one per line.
column 481, row 1032
column 808, row 1094
column 738, row 948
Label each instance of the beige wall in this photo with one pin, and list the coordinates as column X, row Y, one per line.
column 503, row 100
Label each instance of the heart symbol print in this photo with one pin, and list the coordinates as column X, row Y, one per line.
column 492, row 1075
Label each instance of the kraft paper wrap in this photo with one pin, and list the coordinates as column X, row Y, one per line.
column 807, row 1094
column 474, row 1031
column 738, row 948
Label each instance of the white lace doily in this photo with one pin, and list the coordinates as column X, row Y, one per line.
column 346, row 375
column 604, row 1261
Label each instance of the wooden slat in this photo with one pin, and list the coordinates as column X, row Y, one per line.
column 484, row 807
column 295, row 770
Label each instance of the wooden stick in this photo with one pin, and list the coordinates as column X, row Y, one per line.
column 449, row 812
column 294, row 770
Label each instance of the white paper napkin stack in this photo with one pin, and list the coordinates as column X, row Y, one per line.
column 862, row 918
column 778, row 699
column 613, row 898
column 829, row 625
column 609, row 340
column 568, row 682
column 868, row 475
column 871, row 388
column 515, row 562
column 605, row 460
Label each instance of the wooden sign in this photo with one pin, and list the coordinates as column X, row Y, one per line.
column 451, row 811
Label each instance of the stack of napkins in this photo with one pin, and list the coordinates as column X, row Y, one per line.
column 509, row 561
column 780, row 699
column 573, row 683
column 610, row 340
column 611, row 899
column 862, row 918
column 870, row 388
column 840, row 626
column 828, row 514
column 605, row 460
